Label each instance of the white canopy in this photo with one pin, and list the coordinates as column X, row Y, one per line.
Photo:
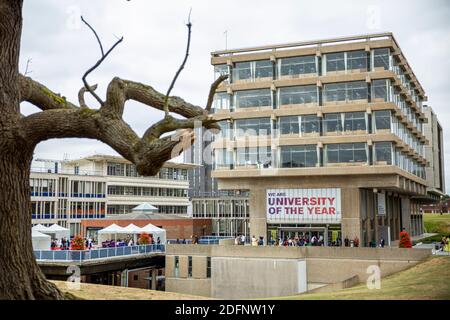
column 58, row 231
column 156, row 232
column 145, row 208
column 40, row 241
column 132, row 229
column 112, row 229
column 39, row 227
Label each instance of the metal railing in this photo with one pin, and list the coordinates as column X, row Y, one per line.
column 94, row 254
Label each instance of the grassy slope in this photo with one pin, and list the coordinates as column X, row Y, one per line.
column 436, row 223
column 101, row 292
column 427, row 280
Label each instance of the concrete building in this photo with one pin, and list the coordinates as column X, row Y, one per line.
column 326, row 136
column 227, row 210
column 247, row 272
column 95, row 187
column 434, row 153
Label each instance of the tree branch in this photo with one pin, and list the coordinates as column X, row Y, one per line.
column 40, row 96
column 98, row 63
column 213, row 89
column 186, row 55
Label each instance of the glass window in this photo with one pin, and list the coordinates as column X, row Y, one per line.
column 242, row 71
column 224, row 158
column 383, row 152
column 298, row 95
column 297, row 65
column 335, row 61
column 189, row 266
column 221, row 101
column 382, row 119
column 356, row 90
column 289, row 125
column 224, row 130
column 357, row 60
column 253, row 127
column 381, row 58
column 263, row 69
column 346, row 153
column 310, row 123
column 219, row 70
column 379, row 90
column 253, row 98
column 254, row 156
column 298, row 156
column 332, row 122
column 335, row 92
column 354, row 121
column 208, row 267
column 176, row 266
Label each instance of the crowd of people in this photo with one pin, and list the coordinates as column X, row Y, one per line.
column 60, row 244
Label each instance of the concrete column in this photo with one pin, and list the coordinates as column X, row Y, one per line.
column 154, row 273
column 351, row 218
column 406, row 214
column 258, row 219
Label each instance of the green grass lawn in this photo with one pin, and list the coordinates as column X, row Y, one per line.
column 427, row 280
column 436, row 223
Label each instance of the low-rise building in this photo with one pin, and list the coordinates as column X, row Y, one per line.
column 100, row 186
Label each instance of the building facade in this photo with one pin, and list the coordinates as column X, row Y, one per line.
column 434, row 152
column 326, row 136
column 99, row 186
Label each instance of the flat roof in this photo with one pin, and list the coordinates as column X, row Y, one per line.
column 321, row 42
column 102, row 157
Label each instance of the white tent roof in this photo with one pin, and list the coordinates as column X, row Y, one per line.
column 131, row 228
column 39, row 227
column 145, row 207
column 151, row 228
column 112, row 229
column 36, row 234
column 55, row 227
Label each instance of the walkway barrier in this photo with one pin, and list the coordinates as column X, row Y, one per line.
column 93, row 254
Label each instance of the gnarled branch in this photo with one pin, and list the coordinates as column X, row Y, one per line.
column 186, row 55
column 212, row 90
column 98, row 63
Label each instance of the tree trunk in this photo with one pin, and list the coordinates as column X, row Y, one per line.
column 20, row 276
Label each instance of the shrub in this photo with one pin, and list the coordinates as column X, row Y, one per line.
column 144, row 238
column 405, row 240
column 77, row 243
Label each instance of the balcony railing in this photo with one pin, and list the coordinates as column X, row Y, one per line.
column 95, row 254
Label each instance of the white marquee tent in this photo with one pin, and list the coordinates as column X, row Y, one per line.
column 105, row 233
column 40, row 241
column 131, row 229
column 58, row 231
column 156, row 232
column 40, row 228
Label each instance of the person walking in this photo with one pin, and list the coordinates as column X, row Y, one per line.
column 382, row 242
column 254, row 241
column 242, row 240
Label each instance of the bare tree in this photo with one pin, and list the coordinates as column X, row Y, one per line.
column 20, row 276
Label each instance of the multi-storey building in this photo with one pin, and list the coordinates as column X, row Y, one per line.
column 99, row 186
column 434, row 152
column 326, row 136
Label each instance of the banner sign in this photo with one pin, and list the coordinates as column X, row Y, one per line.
column 304, row 205
column 381, row 204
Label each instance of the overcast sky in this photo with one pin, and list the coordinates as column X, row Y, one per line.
column 62, row 48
